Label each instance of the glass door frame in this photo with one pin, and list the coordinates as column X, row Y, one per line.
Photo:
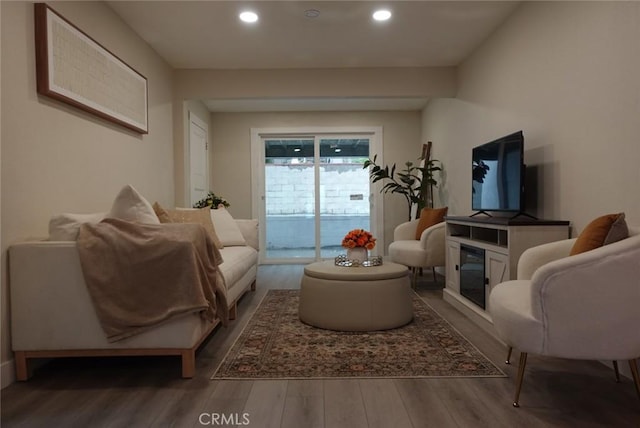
column 258, row 209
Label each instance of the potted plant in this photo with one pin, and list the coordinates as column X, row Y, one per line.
column 213, row 201
column 414, row 182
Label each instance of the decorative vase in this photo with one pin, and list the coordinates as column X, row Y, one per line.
column 358, row 253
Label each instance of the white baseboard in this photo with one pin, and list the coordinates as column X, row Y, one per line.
column 7, row 373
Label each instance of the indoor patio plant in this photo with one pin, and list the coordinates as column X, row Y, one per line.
column 414, row 182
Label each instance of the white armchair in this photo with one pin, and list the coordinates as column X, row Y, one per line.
column 586, row 306
column 428, row 251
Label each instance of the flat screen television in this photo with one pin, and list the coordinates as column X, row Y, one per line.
column 498, row 175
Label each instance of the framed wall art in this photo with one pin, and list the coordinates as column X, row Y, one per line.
column 73, row 68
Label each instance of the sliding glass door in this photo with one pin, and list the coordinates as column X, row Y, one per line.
column 290, row 207
column 343, row 191
column 314, row 191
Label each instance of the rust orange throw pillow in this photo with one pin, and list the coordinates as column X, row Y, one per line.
column 601, row 231
column 429, row 217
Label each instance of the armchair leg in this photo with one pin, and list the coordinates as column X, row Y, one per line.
column 509, row 351
column 617, row 372
column 633, row 364
column 433, row 269
column 414, row 278
column 523, row 363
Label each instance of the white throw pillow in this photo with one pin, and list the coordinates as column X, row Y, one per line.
column 226, row 228
column 65, row 227
column 131, row 206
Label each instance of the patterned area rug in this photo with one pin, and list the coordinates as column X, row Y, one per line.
column 275, row 344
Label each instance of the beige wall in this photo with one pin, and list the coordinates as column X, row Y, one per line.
column 365, row 82
column 230, row 150
column 230, row 157
column 301, row 83
column 568, row 75
column 58, row 159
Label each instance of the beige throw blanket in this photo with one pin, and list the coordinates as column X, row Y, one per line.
column 140, row 275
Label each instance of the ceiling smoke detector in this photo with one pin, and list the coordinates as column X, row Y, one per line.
column 312, row 13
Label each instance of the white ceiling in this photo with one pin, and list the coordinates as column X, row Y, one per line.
column 208, row 35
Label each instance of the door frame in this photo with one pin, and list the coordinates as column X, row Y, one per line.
column 258, row 162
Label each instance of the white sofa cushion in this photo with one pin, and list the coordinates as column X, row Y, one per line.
column 237, row 261
column 65, row 227
column 131, row 206
column 226, row 228
column 249, row 229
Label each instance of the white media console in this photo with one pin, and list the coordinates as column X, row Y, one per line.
column 483, row 252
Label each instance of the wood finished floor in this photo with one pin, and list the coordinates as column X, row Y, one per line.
column 148, row 392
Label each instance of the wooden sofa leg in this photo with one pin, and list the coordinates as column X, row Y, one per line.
column 22, row 370
column 188, row 363
column 253, row 286
column 233, row 311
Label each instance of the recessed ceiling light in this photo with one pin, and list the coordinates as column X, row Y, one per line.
column 248, row 16
column 312, row 13
column 381, row 15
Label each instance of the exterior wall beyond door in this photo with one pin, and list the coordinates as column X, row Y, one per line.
column 290, row 203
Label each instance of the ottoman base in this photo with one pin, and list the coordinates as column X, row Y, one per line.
column 356, row 305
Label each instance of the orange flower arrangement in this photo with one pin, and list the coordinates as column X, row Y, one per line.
column 359, row 238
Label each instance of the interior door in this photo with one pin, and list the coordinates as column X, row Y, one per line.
column 198, row 159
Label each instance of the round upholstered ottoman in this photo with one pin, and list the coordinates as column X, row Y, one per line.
column 355, row 298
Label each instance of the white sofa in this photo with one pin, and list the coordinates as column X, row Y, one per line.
column 52, row 314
